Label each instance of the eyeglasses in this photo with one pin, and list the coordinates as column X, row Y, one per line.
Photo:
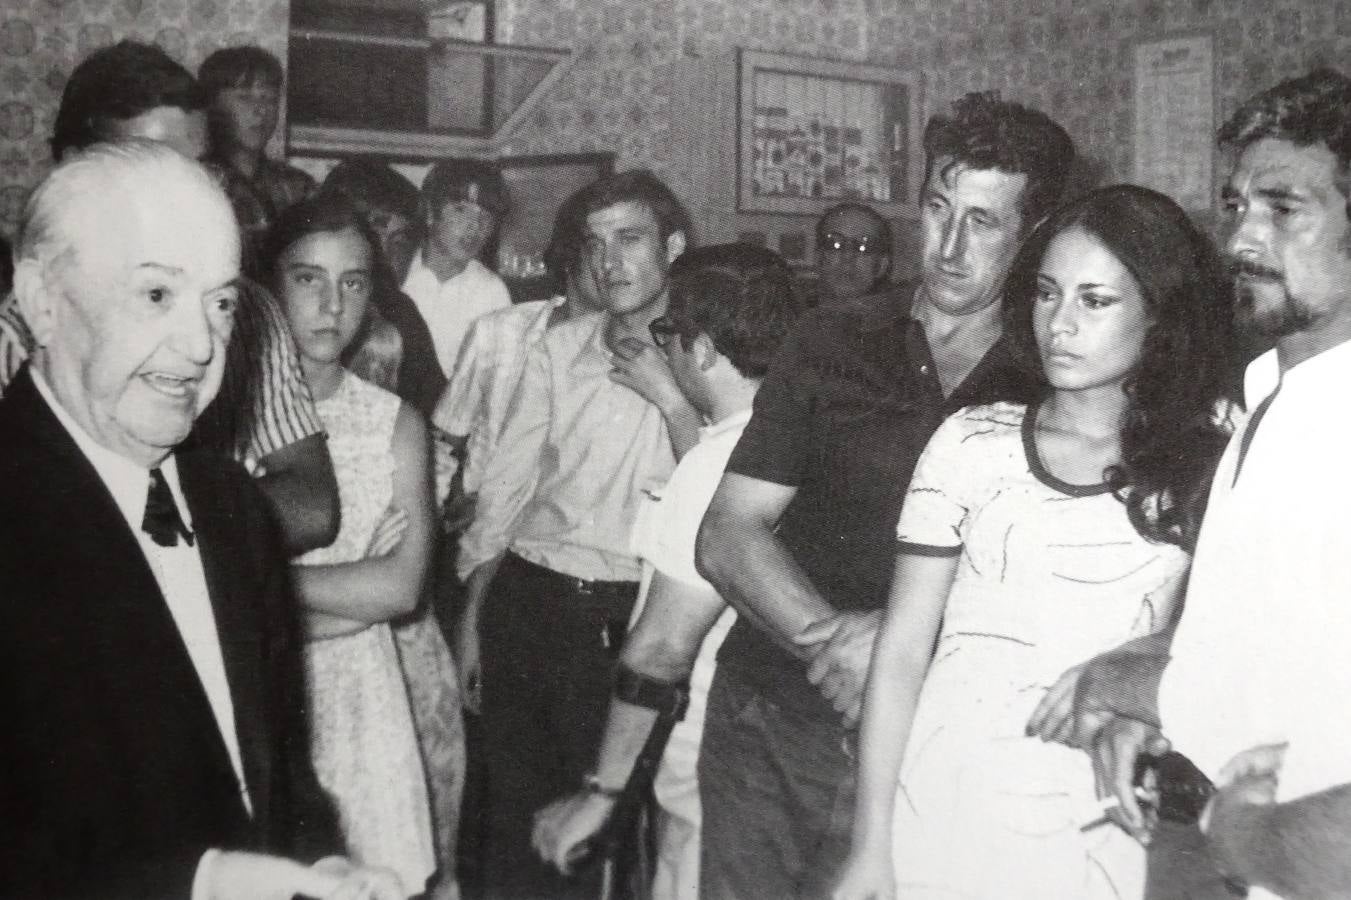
column 662, row 330
column 835, row 242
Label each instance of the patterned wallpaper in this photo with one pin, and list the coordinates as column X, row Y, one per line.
column 1069, row 57
column 42, row 40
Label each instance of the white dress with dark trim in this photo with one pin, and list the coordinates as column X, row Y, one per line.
column 1049, row 574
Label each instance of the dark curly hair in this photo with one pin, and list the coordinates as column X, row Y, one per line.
column 985, row 132
column 1170, row 436
column 741, row 296
column 1308, row 110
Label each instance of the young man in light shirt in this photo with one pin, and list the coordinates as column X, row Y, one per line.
column 550, row 576
column 462, row 203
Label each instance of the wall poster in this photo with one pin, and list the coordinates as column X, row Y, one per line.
column 1175, row 118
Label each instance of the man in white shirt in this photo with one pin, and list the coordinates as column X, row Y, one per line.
column 731, row 306
column 1254, row 687
column 462, row 203
column 148, row 651
column 550, row 575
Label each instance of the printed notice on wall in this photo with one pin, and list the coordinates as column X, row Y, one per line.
column 1175, row 118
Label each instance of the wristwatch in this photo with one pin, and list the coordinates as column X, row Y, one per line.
column 592, row 785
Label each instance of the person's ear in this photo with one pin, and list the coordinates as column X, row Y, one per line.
column 675, row 245
column 35, row 291
column 705, row 354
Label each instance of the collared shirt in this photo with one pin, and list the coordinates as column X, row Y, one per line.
column 575, row 455
column 1259, row 655
column 450, row 307
column 263, row 376
column 848, row 406
column 486, row 374
column 178, row 570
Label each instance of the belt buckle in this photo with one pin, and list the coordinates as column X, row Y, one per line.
column 584, row 588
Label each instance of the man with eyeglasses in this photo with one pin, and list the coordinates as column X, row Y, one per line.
column 800, row 537
column 853, row 252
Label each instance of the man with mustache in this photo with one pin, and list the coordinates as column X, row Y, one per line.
column 1254, row 686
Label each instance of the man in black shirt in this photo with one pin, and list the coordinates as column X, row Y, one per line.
column 802, row 530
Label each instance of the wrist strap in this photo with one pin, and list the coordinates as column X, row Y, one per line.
column 669, row 700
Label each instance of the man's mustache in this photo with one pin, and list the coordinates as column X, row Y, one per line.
column 1236, row 267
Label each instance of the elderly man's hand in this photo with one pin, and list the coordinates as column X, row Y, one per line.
column 841, row 651
column 563, row 826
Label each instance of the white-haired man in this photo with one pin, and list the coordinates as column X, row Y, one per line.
column 154, row 745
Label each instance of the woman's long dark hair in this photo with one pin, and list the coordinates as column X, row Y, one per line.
column 1171, row 436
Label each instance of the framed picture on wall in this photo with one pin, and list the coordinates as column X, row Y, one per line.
column 814, row 132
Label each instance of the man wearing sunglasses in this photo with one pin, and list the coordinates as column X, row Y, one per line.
column 853, row 252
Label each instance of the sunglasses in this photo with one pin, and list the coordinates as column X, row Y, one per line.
column 662, row 330
column 835, row 242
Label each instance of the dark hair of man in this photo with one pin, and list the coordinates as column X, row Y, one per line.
column 741, row 296
column 1309, row 110
column 238, row 67
column 883, row 226
column 1169, row 439
column 986, row 133
column 117, row 83
column 639, row 186
column 456, row 180
column 372, row 184
column 564, row 250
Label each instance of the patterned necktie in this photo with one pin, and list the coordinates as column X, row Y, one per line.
column 162, row 521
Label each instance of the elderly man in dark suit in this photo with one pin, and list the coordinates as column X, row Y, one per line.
column 154, row 743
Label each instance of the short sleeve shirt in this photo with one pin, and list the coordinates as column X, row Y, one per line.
column 844, row 414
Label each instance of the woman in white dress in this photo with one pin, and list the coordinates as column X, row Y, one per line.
column 1033, row 538
column 322, row 261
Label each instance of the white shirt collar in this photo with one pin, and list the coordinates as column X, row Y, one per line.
column 725, row 424
column 419, row 271
column 127, row 481
column 1329, row 370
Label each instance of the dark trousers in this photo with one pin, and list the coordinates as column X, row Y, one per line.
column 1180, row 867
column 777, row 789
column 548, row 647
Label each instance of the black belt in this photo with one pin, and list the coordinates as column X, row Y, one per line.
column 562, row 583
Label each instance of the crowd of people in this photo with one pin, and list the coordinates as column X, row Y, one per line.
column 1016, row 581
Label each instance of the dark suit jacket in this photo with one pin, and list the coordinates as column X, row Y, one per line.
column 114, row 778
